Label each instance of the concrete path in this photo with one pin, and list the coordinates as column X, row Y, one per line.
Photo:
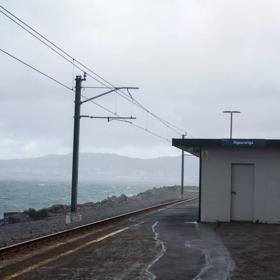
column 166, row 244
column 189, row 250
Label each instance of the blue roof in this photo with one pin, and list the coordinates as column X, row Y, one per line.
column 195, row 144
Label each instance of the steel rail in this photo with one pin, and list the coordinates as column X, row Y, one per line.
column 52, row 236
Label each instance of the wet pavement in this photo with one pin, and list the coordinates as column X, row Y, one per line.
column 165, row 244
column 189, row 250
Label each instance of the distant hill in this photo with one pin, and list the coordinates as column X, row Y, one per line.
column 101, row 166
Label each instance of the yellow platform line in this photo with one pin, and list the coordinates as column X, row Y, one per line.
column 46, row 261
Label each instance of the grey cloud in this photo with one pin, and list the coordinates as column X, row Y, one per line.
column 191, row 60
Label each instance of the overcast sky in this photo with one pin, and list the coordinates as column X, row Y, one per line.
column 191, row 59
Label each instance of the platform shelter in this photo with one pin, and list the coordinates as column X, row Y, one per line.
column 239, row 178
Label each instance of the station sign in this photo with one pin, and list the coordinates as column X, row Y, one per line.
column 243, row 142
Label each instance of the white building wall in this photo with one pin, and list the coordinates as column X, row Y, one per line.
column 216, row 182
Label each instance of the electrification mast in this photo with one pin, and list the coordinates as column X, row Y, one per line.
column 78, row 102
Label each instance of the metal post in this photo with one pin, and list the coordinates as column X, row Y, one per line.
column 230, row 125
column 182, row 171
column 199, row 195
column 75, row 163
column 231, row 117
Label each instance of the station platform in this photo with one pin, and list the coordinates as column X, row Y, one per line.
column 163, row 244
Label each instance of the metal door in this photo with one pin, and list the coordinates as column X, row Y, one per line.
column 242, row 192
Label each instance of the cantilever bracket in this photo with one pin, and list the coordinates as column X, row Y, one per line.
column 109, row 118
column 107, row 92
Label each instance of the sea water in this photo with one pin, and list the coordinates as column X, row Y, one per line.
column 21, row 195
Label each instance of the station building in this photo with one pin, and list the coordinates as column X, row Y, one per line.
column 239, row 178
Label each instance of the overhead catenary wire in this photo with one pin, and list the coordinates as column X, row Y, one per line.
column 129, row 122
column 35, row 69
column 146, row 130
column 164, row 122
column 70, row 60
column 58, row 50
column 69, row 88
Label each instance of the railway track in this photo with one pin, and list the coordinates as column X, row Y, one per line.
column 61, row 235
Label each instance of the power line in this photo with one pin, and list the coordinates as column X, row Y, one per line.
column 71, row 60
column 137, row 103
column 166, row 123
column 32, row 34
column 145, row 129
column 104, row 82
column 150, row 132
column 65, row 86
column 129, row 122
column 35, row 69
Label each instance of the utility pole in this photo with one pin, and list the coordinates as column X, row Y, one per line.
column 74, row 216
column 231, row 116
column 75, row 162
column 182, row 170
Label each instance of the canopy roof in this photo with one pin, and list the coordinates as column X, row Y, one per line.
column 193, row 145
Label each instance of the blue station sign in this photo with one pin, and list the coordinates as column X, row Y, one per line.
column 243, row 142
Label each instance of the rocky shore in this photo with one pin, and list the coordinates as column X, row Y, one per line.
column 18, row 227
